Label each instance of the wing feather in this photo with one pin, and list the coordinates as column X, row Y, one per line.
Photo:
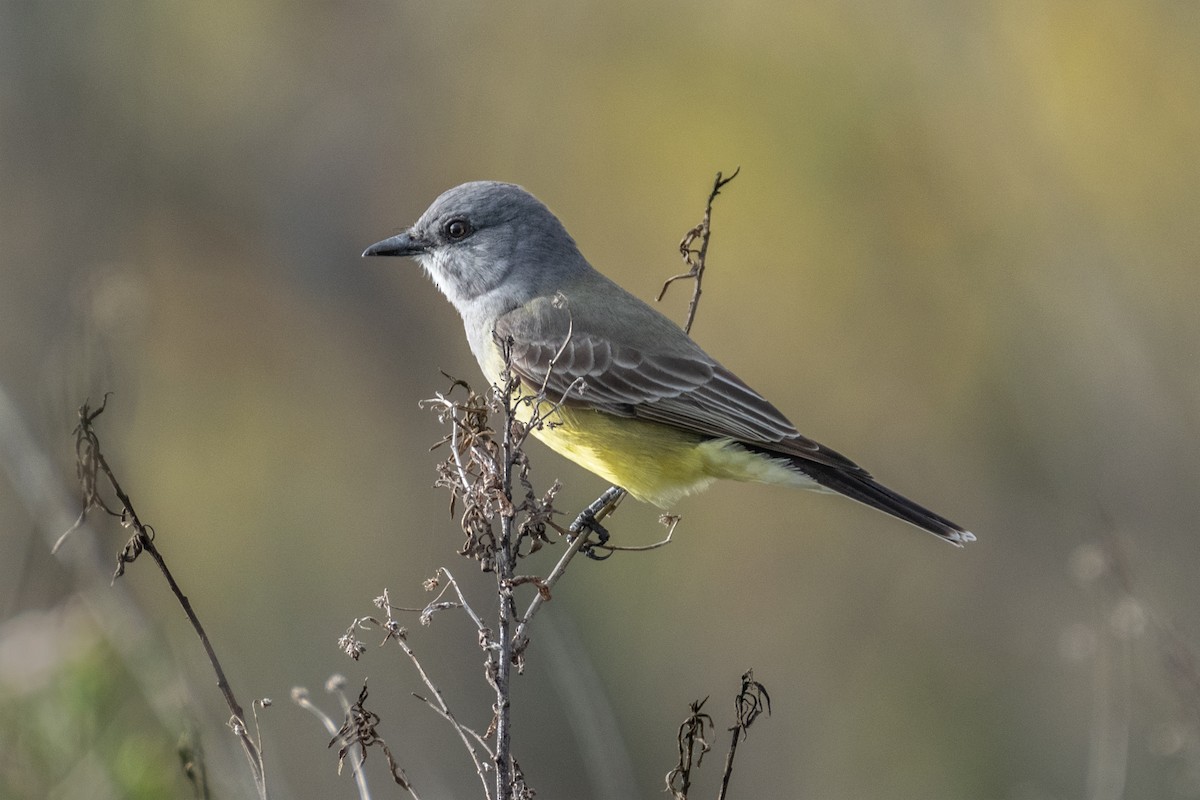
column 687, row 390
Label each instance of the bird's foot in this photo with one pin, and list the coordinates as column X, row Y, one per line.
column 596, row 550
column 588, row 522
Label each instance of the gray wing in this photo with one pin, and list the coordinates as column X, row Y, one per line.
column 666, row 378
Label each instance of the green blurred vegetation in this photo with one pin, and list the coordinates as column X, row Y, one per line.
column 75, row 723
column 963, row 250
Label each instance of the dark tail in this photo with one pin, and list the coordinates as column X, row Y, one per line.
column 862, row 487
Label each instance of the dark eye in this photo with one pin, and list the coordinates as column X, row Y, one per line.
column 457, row 229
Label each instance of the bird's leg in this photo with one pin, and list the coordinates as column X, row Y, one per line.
column 592, row 549
column 588, row 521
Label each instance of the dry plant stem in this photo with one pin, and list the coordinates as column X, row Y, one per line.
column 396, row 633
column 143, row 539
column 300, row 698
column 520, row 640
column 751, row 701
column 692, row 747
column 464, row 733
column 359, row 732
column 729, row 764
column 454, row 448
column 360, row 752
column 505, row 558
column 668, row 520
column 695, row 258
column 462, row 601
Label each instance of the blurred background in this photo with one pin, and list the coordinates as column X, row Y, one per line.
column 963, row 249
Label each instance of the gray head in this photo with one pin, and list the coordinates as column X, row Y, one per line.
column 483, row 235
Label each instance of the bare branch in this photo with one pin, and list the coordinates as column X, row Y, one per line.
column 435, row 605
column 520, row 636
column 90, row 463
column 359, row 732
column 695, row 258
column 751, row 701
column 691, row 735
column 396, row 632
column 335, row 685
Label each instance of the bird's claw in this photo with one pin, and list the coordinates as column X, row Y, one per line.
column 588, row 522
column 585, row 525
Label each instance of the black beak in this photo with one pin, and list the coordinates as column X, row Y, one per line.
column 403, row 244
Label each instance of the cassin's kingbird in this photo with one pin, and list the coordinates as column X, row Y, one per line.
column 641, row 404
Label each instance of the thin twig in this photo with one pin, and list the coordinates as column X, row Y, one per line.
column 336, row 686
column 670, row 520
column 520, row 639
column 359, row 732
column 751, row 701
column 691, row 734
column 442, row 708
column 455, row 451
column 335, row 683
column 544, row 410
column 695, row 258
column 91, row 460
column 559, row 301
column 462, row 600
column 397, row 633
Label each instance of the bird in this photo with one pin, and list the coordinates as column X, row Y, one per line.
column 633, row 398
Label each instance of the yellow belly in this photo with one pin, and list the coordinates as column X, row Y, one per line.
column 653, row 462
